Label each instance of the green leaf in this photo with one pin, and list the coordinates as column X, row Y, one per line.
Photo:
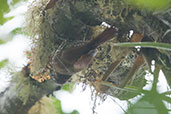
column 3, row 63
column 157, row 45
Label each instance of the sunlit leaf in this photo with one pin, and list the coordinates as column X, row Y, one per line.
column 3, row 63
column 163, row 46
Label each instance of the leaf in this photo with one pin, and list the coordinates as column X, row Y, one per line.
column 3, row 63
column 157, row 45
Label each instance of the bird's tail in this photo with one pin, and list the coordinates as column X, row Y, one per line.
column 106, row 35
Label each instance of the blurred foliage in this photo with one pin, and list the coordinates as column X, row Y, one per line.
column 2, row 42
column 151, row 4
column 57, row 104
column 20, row 31
column 68, row 87
column 3, row 63
column 16, row 1
column 48, row 105
column 5, row 8
column 17, row 31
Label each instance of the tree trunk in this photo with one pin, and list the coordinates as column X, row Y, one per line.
column 23, row 93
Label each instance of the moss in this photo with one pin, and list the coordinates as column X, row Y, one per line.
column 23, row 86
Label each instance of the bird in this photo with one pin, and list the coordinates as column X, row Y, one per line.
column 77, row 56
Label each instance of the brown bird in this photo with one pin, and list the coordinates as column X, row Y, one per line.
column 50, row 4
column 75, row 58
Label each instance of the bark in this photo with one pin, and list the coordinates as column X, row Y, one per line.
column 23, row 93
